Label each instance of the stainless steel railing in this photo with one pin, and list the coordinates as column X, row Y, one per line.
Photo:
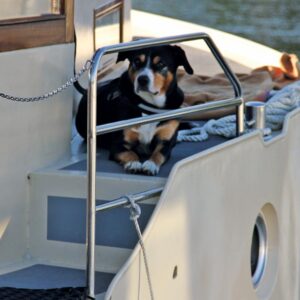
column 94, row 130
column 123, row 201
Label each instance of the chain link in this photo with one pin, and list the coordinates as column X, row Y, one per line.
column 87, row 66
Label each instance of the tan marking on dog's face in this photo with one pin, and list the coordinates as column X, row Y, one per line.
column 126, row 157
column 156, row 60
column 161, row 82
column 167, row 82
column 167, row 130
column 142, row 58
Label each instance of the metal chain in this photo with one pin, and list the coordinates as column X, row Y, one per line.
column 70, row 82
column 135, row 212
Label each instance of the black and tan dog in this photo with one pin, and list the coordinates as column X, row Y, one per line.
column 148, row 84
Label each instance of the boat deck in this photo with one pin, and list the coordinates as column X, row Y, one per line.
column 180, row 151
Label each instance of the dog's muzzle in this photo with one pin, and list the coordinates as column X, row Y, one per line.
column 143, row 82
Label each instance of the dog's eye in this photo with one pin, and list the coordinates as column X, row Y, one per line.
column 137, row 62
column 160, row 65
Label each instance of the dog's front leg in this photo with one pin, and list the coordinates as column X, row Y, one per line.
column 165, row 138
column 129, row 160
column 153, row 164
column 121, row 150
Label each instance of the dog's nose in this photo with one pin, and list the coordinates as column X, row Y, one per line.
column 143, row 81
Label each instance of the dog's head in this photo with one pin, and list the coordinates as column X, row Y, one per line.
column 153, row 71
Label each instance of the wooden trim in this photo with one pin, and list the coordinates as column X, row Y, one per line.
column 32, row 34
column 122, row 22
column 106, row 9
column 38, row 31
column 69, row 13
column 57, row 7
column 31, row 19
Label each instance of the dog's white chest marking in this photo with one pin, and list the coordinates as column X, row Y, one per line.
column 146, row 133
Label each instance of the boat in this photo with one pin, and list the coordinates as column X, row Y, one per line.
column 221, row 219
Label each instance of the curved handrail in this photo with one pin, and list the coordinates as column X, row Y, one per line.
column 93, row 129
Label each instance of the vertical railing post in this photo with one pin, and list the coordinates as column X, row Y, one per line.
column 91, row 215
column 240, row 122
column 91, row 177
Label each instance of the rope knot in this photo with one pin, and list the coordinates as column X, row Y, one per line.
column 135, row 212
column 135, row 209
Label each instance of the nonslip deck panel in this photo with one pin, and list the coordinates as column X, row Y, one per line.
column 67, row 293
column 181, row 151
column 51, row 277
column 66, row 223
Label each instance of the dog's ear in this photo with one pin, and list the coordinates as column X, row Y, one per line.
column 181, row 59
column 124, row 55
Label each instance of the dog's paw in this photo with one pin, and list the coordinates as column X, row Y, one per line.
column 133, row 166
column 150, row 168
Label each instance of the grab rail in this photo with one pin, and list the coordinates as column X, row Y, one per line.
column 123, row 201
column 93, row 130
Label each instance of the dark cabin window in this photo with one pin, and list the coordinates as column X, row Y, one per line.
column 35, row 23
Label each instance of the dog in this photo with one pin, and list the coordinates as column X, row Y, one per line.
column 149, row 85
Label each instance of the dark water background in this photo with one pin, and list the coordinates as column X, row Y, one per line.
column 275, row 23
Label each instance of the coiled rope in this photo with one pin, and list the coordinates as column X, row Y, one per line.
column 279, row 105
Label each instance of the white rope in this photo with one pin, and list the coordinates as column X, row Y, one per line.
column 281, row 103
column 224, row 126
column 135, row 212
column 196, row 134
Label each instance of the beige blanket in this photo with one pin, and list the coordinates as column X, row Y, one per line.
column 256, row 85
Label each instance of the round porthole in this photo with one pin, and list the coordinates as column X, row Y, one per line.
column 264, row 251
column 258, row 250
